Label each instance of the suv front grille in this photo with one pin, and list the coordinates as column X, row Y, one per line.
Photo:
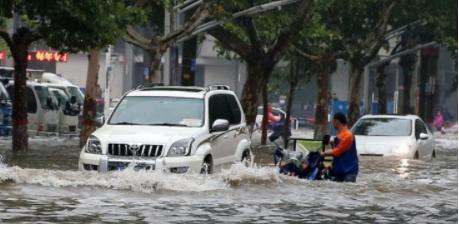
column 142, row 150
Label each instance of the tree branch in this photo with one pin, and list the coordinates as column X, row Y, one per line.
column 286, row 36
column 195, row 20
column 34, row 36
column 376, row 38
column 306, row 55
column 249, row 27
column 231, row 42
column 137, row 39
column 6, row 36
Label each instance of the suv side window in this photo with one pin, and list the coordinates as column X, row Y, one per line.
column 419, row 128
column 219, row 109
column 235, row 110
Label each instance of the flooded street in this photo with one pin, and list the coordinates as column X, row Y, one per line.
column 44, row 186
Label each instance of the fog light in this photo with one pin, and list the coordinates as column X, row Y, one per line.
column 179, row 170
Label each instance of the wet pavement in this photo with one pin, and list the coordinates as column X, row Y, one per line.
column 43, row 186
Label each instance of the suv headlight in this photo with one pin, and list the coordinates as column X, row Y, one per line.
column 93, row 145
column 181, row 147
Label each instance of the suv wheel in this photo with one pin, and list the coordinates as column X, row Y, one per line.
column 246, row 158
column 207, row 165
column 434, row 155
column 416, row 155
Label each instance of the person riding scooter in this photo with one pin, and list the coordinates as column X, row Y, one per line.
column 278, row 129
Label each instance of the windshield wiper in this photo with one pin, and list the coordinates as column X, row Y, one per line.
column 168, row 124
column 125, row 123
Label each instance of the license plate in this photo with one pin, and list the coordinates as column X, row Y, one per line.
column 119, row 166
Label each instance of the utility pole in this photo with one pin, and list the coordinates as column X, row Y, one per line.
column 108, row 66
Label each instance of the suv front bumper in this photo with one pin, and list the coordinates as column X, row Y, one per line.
column 104, row 163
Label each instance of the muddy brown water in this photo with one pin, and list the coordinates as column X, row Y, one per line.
column 43, row 186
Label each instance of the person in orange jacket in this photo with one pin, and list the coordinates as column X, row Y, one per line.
column 345, row 160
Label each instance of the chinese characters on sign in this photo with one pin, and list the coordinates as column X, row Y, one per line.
column 42, row 56
column 48, row 56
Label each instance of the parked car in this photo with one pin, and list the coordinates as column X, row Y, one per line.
column 42, row 107
column 174, row 129
column 69, row 110
column 5, row 112
column 55, row 81
column 393, row 135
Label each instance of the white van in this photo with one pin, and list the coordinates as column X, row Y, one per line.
column 42, row 107
column 68, row 111
column 55, row 81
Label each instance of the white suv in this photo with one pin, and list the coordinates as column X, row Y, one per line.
column 174, row 129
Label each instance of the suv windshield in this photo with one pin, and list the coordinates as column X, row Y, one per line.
column 162, row 111
column 383, row 127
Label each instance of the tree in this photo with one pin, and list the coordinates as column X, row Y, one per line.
column 297, row 73
column 260, row 41
column 157, row 43
column 65, row 25
column 423, row 22
column 320, row 47
column 362, row 26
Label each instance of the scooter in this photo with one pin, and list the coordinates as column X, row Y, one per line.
column 305, row 162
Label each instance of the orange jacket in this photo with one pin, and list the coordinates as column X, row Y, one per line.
column 345, row 141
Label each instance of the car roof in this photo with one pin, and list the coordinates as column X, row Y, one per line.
column 177, row 91
column 411, row 117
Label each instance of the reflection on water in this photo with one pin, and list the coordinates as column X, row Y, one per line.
column 403, row 169
column 46, row 188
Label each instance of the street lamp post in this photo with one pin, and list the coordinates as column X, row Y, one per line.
column 108, row 67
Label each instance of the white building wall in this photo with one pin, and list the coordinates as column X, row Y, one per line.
column 340, row 80
column 75, row 70
column 219, row 69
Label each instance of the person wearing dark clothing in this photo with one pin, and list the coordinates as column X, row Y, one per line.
column 345, row 160
column 279, row 131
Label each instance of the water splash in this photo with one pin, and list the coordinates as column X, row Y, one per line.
column 142, row 181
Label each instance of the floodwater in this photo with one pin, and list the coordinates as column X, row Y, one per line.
column 43, row 186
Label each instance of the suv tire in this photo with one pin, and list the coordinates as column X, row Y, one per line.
column 207, row 165
column 246, row 158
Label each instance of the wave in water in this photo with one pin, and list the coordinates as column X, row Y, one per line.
column 142, row 181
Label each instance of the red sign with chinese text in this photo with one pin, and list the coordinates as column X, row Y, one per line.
column 48, row 56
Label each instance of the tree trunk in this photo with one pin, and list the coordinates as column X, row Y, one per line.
column 381, row 88
column 264, row 126
column 354, row 97
column 251, row 92
column 407, row 62
column 20, row 52
column 288, row 114
column 90, row 103
column 155, row 66
column 323, row 103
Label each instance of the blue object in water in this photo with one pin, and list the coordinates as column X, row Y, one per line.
column 5, row 118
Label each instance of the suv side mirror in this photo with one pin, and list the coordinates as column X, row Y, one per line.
column 100, row 121
column 220, row 125
column 423, row 136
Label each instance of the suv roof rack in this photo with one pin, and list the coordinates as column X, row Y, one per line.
column 218, row 87
column 149, row 85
